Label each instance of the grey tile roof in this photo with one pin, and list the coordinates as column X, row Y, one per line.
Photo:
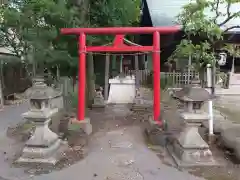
column 164, row 12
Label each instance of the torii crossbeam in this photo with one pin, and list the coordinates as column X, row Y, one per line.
column 118, row 46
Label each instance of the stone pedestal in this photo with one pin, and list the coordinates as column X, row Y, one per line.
column 122, row 90
column 138, row 103
column 189, row 149
column 43, row 147
column 98, row 101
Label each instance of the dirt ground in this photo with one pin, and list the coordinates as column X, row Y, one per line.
column 102, row 120
column 114, row 117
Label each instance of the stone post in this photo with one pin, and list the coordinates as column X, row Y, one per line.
column 210, row 103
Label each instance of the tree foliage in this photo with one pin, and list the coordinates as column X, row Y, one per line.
column 33, row 26
column 203, row 20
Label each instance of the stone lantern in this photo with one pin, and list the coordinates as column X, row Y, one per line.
column 189, row 148
column 44, row 145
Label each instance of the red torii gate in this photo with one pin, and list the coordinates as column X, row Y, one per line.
column 118, row 46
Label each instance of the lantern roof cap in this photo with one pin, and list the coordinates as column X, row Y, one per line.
column 40, row 91
column 193, row 92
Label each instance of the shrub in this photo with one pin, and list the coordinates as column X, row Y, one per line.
column 74, row 99
column 165, row 82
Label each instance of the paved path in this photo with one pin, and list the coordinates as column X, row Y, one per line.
column 10, row 115
column 119, row 155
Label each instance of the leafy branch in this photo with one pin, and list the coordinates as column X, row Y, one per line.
column 197, row 24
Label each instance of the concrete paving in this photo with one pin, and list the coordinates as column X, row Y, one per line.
column 120, row 155
column 117, row 155
column 9, row 116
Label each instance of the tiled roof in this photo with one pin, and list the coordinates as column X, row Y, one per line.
column 164, row 12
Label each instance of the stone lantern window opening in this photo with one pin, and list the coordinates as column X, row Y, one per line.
column 193, row 106
column 38, row 104
column 197, row 105
column 35, row 104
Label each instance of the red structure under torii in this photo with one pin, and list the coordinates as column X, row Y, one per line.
column 119, row 46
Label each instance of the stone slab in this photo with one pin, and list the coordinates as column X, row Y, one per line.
column 41, row 152
column 83, row 125
column 140, row 107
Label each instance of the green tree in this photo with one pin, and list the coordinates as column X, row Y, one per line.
column 204, row 19
column 31, row 28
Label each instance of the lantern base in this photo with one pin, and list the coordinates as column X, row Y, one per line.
column 43, row 155
column 189, row 149
column 139, row 104
column 98, row 101
column 99, row 105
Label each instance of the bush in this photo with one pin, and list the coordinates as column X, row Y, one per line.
column 74, row 99
column 164, row 83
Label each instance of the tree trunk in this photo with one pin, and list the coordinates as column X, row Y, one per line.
column 1, row 85
column 107, row 63
column 136, row 64
column 90, row 79
column 85, row 20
